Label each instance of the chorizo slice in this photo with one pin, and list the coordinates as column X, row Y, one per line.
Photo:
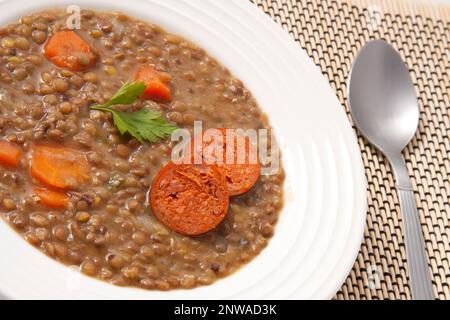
column 240, row 175
column 189, row 199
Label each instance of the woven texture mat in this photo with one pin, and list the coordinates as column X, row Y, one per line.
column 332, row 32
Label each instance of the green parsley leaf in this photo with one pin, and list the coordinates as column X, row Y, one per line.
column 127, row 94
column 144, row 124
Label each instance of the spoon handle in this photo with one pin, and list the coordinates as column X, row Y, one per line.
column 419, row 273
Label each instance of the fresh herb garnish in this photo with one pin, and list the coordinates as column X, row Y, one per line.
column 144, row 124
column 127, row 94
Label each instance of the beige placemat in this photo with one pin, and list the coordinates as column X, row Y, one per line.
column 332, row 32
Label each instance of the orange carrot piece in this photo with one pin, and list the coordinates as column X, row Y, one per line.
column 156, row 88
column 9, row 154
column 67, row 50
column 59, row 167
column 51, row 198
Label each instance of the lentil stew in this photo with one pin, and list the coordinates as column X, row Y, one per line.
column 81, row 192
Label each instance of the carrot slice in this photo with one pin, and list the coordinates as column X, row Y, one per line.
column 9, row 154
column 240, row 176
column 156, row 88
column 59, row 167
column 189, row 199
column 51, row 198
column 67, row 50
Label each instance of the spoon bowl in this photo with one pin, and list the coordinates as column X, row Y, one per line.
column 382, row 98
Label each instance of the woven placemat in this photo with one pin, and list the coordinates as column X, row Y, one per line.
column 332, row 32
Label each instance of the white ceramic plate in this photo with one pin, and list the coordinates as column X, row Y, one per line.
column 320, row 229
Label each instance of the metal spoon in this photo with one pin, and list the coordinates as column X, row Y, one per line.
column 384, row 105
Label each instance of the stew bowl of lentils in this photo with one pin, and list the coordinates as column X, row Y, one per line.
column 94, row 203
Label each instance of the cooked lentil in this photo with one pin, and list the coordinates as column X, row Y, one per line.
column 108, row 229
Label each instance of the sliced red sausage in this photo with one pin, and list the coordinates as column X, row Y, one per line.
column 189, row 199
column 240, row 176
